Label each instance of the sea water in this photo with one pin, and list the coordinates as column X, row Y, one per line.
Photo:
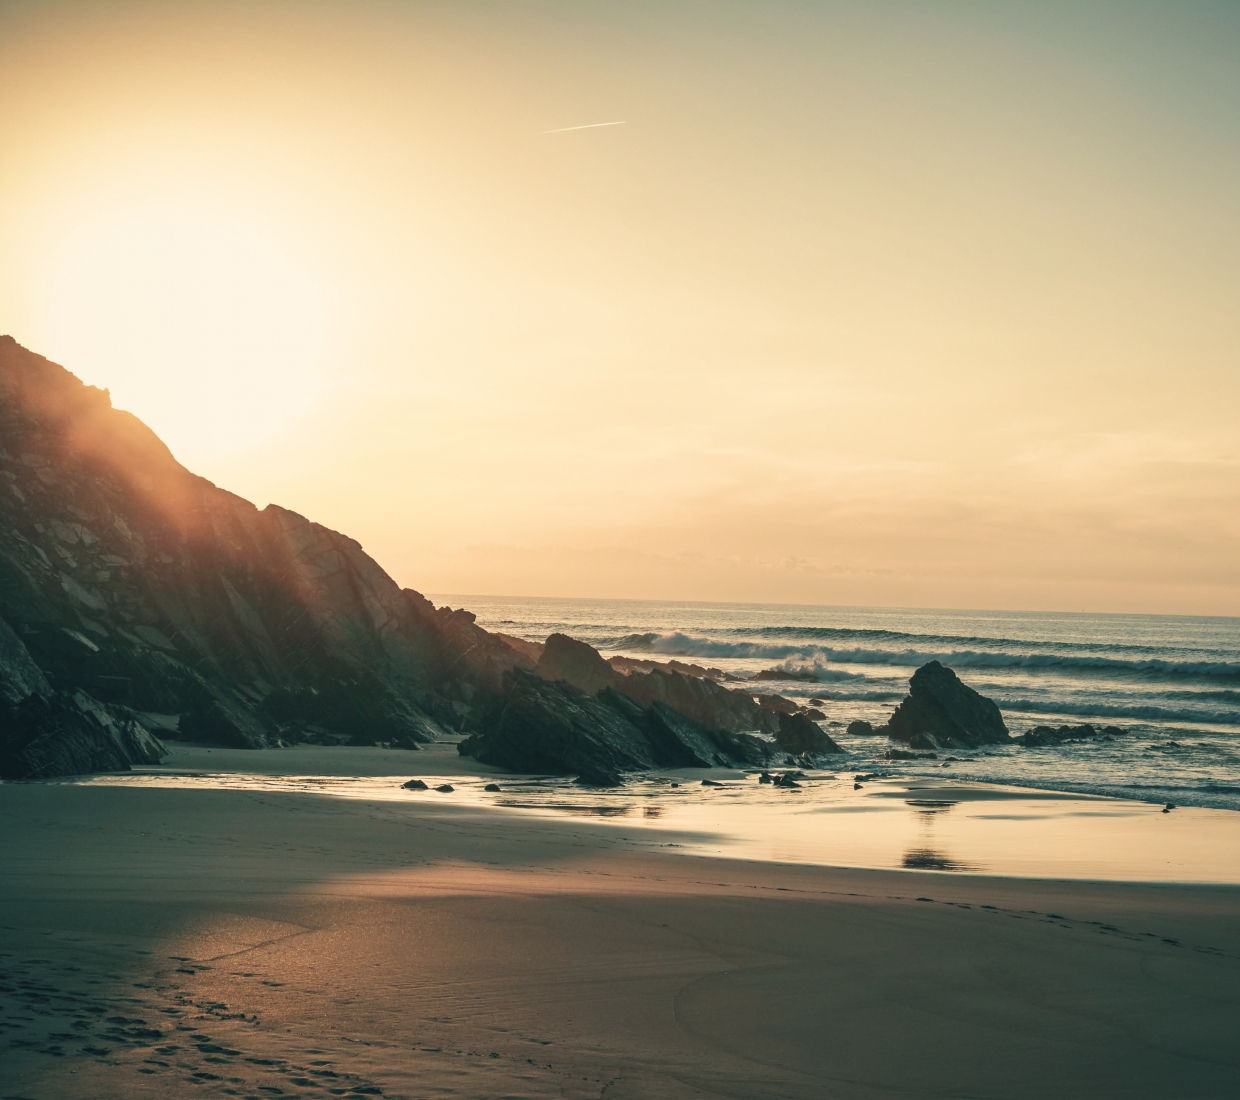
column 1170, row 683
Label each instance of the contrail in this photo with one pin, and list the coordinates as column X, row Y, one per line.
column 587, row 126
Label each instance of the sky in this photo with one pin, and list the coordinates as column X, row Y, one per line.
column 902, row 304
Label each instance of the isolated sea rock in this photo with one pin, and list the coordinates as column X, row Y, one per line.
column 942, row 712
column 1042, row 736
column 799, row 734
column 860, row 728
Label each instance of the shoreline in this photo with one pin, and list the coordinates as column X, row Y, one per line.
column 226, row 942
column 914, row 823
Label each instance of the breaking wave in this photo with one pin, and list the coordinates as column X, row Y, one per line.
column 684, row 645
column 1114, row 710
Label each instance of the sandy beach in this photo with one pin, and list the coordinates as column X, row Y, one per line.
column 161, row 942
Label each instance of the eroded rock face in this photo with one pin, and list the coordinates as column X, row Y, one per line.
column 942, row 712
column 706, row 702
column 552, row 727
column 130, row 583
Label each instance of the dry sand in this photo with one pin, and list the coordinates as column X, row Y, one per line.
column 256, row 944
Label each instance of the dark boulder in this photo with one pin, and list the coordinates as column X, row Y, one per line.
column 942, row 712
column 414, row 785
column 491, row 788
column 445, row 788
column 798, row 734
column 565, row 658
column 860, row 728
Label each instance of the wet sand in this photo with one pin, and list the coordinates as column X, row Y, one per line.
column 259, row 944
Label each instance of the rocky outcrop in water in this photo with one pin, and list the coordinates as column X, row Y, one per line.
column 1044, row 736
column 942, row 712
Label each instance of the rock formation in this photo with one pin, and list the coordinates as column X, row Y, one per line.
column 1042, row 736
column 139, row 602
column 137, row 597
column 941, row 712
column 555, row 727
column 798, row 734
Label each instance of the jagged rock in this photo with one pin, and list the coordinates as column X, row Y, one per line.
column 775, row 705
column 816, row 715
column 555, row 728
column 698, row 698
column 129, row 585
column 69, row 733
column 942, row 712
column 1041, row 736
column 637, row 664
column 676, row 741
column 530, row 651
column 414, row 785
column 130, row 581
column 565, row 658
column 798, row 734
column 860, row 728
column 709, row 704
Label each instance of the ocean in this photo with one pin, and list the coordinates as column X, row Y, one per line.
column 1170, row 683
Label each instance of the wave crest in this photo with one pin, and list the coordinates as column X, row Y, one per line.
column 684, row 645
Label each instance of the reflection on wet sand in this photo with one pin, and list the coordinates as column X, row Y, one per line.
column 925, row 856
column 924, row 824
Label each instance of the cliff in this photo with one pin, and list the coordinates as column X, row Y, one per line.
column 137, row 599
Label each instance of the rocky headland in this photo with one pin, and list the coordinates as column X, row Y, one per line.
column 140, row 602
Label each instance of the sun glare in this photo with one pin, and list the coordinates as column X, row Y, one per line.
column 196, row 319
